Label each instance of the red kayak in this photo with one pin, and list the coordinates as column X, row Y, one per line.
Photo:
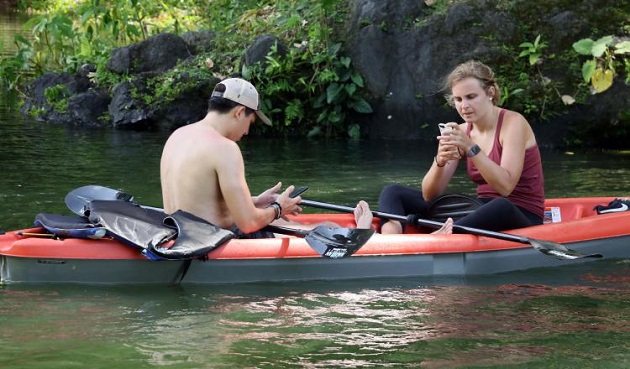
column 36, row 256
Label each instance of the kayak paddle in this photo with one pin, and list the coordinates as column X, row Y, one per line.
column 554, row 249
column 330, row 242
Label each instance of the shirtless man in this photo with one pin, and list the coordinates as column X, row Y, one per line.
column 202, row 169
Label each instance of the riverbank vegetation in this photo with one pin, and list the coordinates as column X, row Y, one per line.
column 309, row 85
column 313, row 85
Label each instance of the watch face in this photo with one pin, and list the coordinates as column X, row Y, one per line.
column 473, row 151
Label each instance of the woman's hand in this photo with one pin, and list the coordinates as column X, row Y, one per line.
column 454, row 143
column 448, row 148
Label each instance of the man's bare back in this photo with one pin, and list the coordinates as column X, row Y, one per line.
column 202, row 169
column 189, row 173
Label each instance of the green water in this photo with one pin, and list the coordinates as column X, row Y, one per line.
column 568, row 317
column 579, row 323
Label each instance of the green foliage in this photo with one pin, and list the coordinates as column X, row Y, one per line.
column 176, row 82
column 525, row 87
column 57, row 96
column 312, row 89
column 12, row 69
column 600, row 70
column 67, row 35
column 533, row 50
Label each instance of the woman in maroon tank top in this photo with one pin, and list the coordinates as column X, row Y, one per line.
column 501, row 154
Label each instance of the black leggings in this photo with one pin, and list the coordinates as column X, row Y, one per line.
column 496, row 214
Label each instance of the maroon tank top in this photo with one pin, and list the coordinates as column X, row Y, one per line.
column 529, row 192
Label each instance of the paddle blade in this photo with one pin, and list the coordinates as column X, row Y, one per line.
column 336, row 243
column 78, row 199
column 559, row 251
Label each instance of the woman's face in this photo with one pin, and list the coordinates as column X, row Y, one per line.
column 470, row 99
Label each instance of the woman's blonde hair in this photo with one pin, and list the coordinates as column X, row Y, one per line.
column 477, row 70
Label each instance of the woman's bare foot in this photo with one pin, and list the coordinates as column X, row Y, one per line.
column 447, row 228
column 363, row 215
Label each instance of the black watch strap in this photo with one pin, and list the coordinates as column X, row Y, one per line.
column 473, row 151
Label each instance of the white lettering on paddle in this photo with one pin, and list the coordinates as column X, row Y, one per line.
column 335, row 253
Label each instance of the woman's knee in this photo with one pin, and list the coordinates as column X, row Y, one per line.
column 390, row 192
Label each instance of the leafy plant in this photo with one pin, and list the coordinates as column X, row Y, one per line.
column 57, row 96
column 313, row 86
column 316, row 89
column 535, row 86
column 533, row 50
column 600, row 70
column 67, row 35
column 341, row 93
column 12, row 68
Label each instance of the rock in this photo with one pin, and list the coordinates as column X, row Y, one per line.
column 88, row 108
column 190, row 107
column 48, row 97
column 156, row 54
column 200, row 41
column 127, row 112
column 404, row 50
column 259, row 49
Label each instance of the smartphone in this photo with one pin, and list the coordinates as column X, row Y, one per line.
column 444, row 128
column 298, row 191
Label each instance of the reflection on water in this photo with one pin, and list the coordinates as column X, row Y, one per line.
column 10, row 25
column 385, row 323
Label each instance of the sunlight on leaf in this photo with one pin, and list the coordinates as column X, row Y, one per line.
column 583, row 46
column 602, row 80
column 622, row 47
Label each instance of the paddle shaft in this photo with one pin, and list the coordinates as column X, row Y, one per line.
column 285, row 230
column 421, row 222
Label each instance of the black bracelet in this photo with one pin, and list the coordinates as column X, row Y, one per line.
column 438, row 164
column 276, row 206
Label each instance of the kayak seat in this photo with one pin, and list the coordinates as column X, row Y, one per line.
column 64, row 226
column 453, row 206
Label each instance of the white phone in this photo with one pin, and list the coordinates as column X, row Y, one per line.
column 444, row 128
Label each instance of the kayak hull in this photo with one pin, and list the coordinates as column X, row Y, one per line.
column 27, row 258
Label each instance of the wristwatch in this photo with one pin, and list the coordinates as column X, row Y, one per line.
column 473, row 151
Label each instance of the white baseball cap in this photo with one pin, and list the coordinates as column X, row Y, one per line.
column 242, row 92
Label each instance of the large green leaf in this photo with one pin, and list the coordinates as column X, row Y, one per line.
column 588, row 68
column 600, row 46
column 583, row 46
column 357, row 79
column 333, row 91
column 361, row 106
column 622, row 47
